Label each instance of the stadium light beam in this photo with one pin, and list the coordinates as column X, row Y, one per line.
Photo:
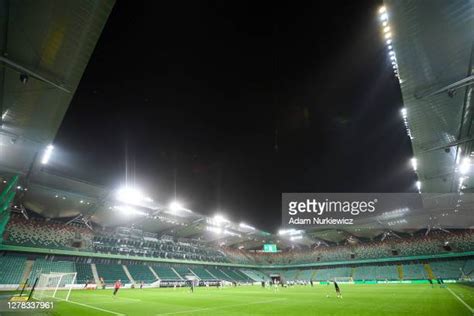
column 243, row 225
column 175, row 206
column 414, row 163
column 130, row 195
column 128, row 210
column 214, row 229
column 465, row 166
column 47, row 154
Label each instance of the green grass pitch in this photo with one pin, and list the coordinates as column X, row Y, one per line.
column 389, row 299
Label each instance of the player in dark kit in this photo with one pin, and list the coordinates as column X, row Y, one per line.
column 191, row 286
column 338, row 291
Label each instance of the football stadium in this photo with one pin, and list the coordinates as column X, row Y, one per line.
column 72, row 244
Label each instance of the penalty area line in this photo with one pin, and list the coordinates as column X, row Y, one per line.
column 461, row 300
column 221, row 307
column 90, row 306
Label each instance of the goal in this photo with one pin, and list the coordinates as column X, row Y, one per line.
column 54, row 285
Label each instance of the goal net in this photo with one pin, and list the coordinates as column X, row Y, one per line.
column 54, row 285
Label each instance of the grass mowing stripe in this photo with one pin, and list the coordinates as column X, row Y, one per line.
column 90, row 306
column 461, row 300
column 221, row 307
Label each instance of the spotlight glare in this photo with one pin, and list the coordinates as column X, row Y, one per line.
column 414, row 163
column 243, row 225
column 465, row 166
column 175, row 206
column 47, row 154
column 128, row 210
column 130, row 195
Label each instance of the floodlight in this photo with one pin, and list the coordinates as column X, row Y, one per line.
column 414, row 163
column 404, row 112
column 389, row 41
column 386, row 29
column 47, row 154
column 81, row 201
column 382, row 9
column 465, row 165
column 129, row 210
column 418, row 185
column 219, row 219
column 214, row 229
column 175, row 206
column 130, row 195
column 299, row 237
column 243, row 225
column 384, row 16
column 228, row 232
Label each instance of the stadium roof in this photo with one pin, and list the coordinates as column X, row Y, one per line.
column 431, row 46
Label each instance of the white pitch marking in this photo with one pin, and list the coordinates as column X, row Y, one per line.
column 221, row 307
column 461, row 300
column 90, row 306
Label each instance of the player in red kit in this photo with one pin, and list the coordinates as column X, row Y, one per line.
column 117, row 286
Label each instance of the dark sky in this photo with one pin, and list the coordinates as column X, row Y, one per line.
column 245, row 100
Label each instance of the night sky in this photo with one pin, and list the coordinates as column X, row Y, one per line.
column 241, row 101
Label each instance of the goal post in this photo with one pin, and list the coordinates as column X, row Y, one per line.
column 54, row 285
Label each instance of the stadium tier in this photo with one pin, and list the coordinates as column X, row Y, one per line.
column 414, row 272
column 202, row 273
column 42, row 266
column 84, row 273
column 166, row 273
column 11, row 269
column 374, row 272
column 111, row 273
column 39, row 233
column 140, row 272
column 330, row 274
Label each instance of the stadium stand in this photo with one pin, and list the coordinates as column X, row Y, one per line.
column 11, row 269
column 414, row 272
column 165, row 273
column 304, row 275
column 140, row 272
column 202, row 273
column 183, row 271
column 111, row 273
column 376, row 272
column 84, row 273
column 46, row 266
column 447, row 269
column 37, row 232
column 468, row 268
column 330, row 274
column 256, row 276
column 218, row 274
